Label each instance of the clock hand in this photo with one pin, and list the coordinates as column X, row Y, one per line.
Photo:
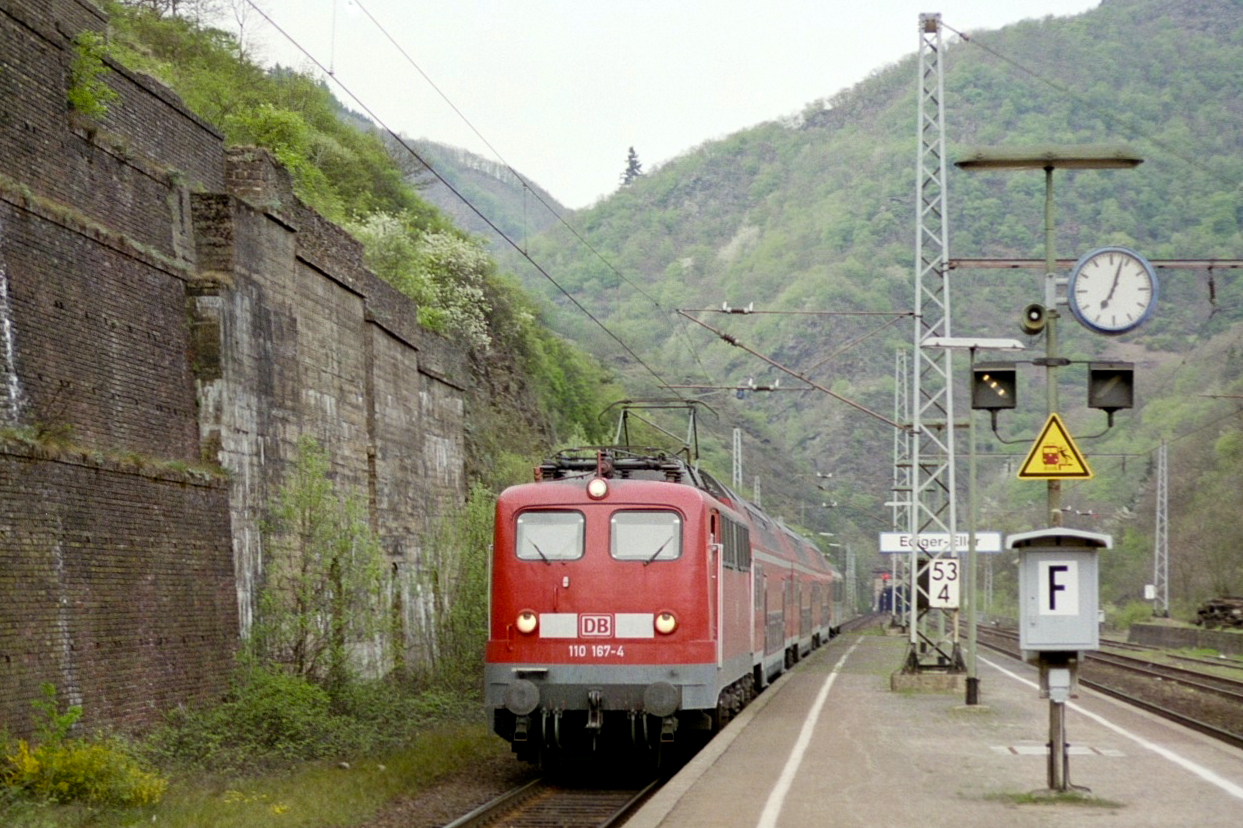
column 1114, row 286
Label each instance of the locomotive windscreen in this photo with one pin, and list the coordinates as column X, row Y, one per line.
column 642, row 535
column 550, row 536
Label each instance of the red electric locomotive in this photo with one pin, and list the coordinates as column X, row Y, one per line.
column 637, row 602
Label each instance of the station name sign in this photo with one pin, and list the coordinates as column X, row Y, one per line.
column 938, row 543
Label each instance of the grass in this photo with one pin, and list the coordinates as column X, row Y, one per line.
column 312, row 795
column 1078, row 798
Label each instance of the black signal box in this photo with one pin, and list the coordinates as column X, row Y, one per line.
column 994, row 385
column 1111, row 385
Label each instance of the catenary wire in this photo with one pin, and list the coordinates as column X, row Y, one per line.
column 1124, row 123
column 501, row 233
column 527, row 186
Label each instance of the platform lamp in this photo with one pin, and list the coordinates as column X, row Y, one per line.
column 992, row 388
column 1049, row 158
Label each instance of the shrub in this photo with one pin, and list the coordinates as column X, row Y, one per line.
column 81, row 771
column 87, row 93
column 453, row 586
column 68, row 770
column 270, row 718
column 1133, row 612
column 325, row 576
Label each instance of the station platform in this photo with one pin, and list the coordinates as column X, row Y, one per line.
column 829, row 744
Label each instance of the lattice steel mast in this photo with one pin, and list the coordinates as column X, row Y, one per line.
column 934, row 615
column 900, row 495
column 1161, row 549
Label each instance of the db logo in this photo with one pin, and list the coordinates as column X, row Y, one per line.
column 600, row 626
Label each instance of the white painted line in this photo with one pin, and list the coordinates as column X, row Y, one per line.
column 772, row 808
column 1183, row 762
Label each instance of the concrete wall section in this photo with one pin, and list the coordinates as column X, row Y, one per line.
column 1161, row 635
column 298, row 338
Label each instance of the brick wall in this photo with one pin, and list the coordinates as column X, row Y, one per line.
column 162, row 303
column 113, row 587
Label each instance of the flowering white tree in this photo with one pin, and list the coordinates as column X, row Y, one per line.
column 444, row 273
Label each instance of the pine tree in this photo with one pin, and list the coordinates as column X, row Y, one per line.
column 633, row 168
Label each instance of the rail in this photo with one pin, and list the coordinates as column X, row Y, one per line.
column 1214, row 711
column 546, row 804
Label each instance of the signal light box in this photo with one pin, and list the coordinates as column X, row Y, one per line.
column 994, row 386
column 1059, row 589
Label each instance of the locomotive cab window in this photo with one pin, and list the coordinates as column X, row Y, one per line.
column 646, row 536
column 550, row 536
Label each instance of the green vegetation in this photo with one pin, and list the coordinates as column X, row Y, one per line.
column 1051, row 798
column 88, row 94
column 816, row 212
column 308, row 795
column 453, row 572
column 1133, row 612
column 325, row 586
column 57, row 768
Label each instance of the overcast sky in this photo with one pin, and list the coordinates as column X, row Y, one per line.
column 561, row 89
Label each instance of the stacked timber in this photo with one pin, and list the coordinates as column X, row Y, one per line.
column 1220, row 612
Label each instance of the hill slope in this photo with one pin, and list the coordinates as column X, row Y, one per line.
column 517, row 206
column 814, row 215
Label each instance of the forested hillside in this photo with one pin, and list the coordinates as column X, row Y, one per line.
column 473, row 185
column 813, row 216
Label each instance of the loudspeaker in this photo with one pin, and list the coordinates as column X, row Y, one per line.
column 1033, row 319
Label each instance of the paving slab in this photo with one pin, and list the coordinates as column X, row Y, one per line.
column 831, row 744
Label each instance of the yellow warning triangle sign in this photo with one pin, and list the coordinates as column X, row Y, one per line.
column 1054, row 455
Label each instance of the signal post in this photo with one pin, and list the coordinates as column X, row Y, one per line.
column 1058, row 606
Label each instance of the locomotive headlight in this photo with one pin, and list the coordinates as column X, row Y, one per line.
column 597, row 488
column 527, row 622
column 665, row 623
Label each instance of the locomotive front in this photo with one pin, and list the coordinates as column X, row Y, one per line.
column 602, row 616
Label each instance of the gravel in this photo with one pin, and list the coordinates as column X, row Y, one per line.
column 454, row 795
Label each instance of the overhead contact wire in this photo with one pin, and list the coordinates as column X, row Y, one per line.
column 733, row 340
column 1125, row 124
column 461, row 197
column 527, row 185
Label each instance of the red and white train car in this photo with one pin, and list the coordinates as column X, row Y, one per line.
column 637, row 602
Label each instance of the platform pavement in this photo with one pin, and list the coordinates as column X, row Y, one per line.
column 830, row 744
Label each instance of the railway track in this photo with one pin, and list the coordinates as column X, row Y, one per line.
column 1226, row 688
column 1209, row 704
column 551, row 804
column 568, row 803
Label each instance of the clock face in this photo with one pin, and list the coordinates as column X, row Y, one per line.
column 1112, row 290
